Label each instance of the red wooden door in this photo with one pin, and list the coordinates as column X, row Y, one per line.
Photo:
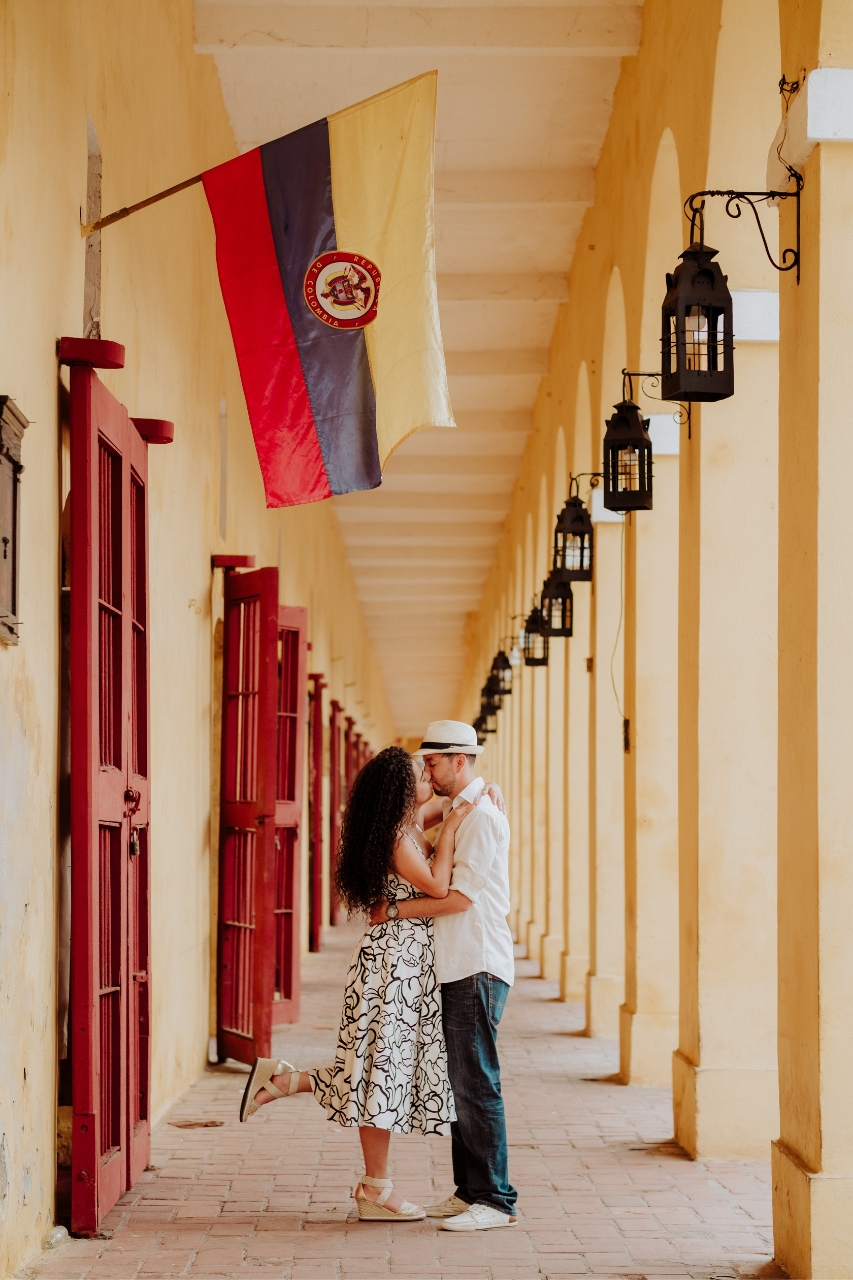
column 290, row 764
column 247, row 815
column 109, row 1029
column 315, row 810
column 335, row 807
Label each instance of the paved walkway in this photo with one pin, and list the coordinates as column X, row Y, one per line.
column 601, row 1190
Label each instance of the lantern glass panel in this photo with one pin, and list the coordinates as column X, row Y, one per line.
column 627, row 460
column 697, row 333
column 573, row 541
column 535, row 640
column 493, row 689
column 502, row 668
column 557, row 604
column 489, row 717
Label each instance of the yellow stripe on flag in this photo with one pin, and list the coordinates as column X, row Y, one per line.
column 382, row 153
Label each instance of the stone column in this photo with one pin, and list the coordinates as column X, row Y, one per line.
column 813, row 1159
column 514, row 750
column 724, row 1071
column 649, row 1016
column 538, row 749
column 576, row 911
column 606, row 981
column 552, row 943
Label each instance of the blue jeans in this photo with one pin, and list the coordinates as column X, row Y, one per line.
column 471, row 1011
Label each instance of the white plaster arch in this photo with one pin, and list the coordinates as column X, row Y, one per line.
column 559, row 473
column 614, row 356
column 664, row 242
column 544, row 523
column 745, row 113
column 582, row 451
column 529, row 580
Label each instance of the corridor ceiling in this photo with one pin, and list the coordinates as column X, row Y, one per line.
column 524, row 98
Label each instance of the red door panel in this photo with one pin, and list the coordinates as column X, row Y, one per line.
column 109, row 801
column 335, row 807
column 248, row 815
column 292, row 667
column 315, row 811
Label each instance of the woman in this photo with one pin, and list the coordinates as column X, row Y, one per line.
column 390, row 1069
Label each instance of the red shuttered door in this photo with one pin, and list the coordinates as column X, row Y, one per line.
column 263, row 731
column 292, row 662
column 109, row 801
column 315, row 812
column 336, row 914
column 247, row 815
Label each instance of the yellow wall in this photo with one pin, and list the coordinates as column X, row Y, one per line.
column 157, row 110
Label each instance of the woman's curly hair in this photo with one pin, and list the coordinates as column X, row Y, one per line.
column 383, row 799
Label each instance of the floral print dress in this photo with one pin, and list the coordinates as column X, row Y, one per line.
column 390, row 1068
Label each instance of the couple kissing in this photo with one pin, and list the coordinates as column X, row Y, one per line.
column 427, row 984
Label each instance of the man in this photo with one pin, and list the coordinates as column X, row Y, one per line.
column 474, row 964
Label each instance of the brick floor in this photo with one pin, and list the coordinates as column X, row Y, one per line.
column 602, row 1192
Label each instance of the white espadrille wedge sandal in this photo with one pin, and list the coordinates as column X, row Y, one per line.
column 376, row 1210
column 260, row 1077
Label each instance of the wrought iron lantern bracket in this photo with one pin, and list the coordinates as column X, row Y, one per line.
column 681, row 414
column 694, row 209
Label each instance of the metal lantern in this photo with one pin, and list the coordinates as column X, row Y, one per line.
column 557, row 603
column 696, row 331
column 489, row 714
column 535, row 642
column 493, row 690
column 573, row 539
column 502, row 668
column 627, row 460
column 480, row 730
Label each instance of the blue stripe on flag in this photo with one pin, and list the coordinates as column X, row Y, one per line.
column 298, row 181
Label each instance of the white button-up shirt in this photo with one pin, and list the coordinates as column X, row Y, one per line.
column 477, row 940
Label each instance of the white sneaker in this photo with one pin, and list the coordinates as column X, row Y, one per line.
column 478, row 1217
column 449, row 1208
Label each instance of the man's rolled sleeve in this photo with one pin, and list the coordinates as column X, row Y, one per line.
column 475, row 851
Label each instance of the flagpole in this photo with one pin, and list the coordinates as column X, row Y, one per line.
column 92, row 227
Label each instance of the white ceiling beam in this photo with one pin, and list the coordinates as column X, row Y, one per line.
column 494, row 420
column 460, row 486
column 515, row 186
column 417, row 537
column 505, row 363
column 582, row 30
column 474, row 467
column 380, row 505
column 461, row 444
column 498, row 286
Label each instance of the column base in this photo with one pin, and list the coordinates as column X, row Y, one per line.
column 812, row 1218
column 604, row 995
column 727, row 1113
column 551, row 951
column 573, row 977
column 646, row 1045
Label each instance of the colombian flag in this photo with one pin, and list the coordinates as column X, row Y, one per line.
column 326, row 257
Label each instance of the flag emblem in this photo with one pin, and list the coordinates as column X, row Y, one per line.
column 342, row 289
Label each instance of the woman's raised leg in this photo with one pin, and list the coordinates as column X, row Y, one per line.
column 282, row 1083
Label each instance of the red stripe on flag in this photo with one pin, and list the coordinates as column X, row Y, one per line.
column 270, row 369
